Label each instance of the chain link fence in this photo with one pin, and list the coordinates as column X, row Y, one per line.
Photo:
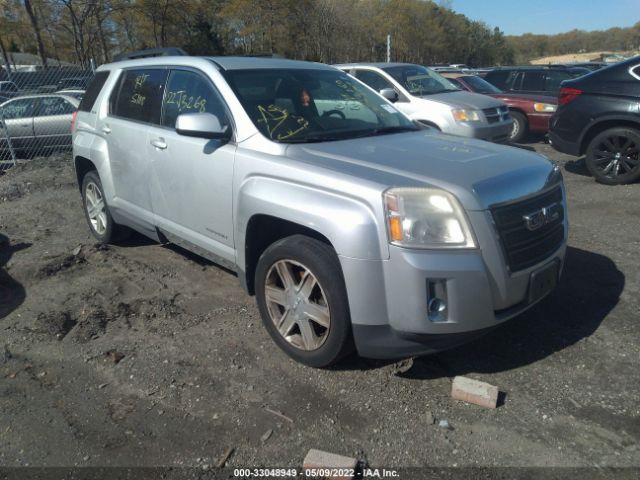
column 36, row 110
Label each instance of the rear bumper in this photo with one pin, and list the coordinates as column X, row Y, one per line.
column 538, row 122
column 563, row 146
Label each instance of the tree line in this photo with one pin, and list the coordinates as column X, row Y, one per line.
column 329, row 31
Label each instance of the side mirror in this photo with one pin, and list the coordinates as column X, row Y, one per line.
column 390, row 94
column 202, row 125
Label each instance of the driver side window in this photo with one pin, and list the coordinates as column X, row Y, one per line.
column 373, row 79
column 189, row 92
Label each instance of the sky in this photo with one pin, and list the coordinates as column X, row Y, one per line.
column 515, row 17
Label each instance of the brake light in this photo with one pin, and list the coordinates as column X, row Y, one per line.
column 73, row 120
column 568, row 95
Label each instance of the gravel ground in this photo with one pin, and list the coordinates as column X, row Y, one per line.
column 146, row 355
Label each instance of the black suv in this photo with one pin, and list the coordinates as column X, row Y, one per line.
column 599, row 115
column 542, row 80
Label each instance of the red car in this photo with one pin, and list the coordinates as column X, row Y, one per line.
column 530, row 112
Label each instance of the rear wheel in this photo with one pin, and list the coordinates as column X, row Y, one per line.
column 97, row 212
column 303, row 301
column 520, row 127
column 613, row 156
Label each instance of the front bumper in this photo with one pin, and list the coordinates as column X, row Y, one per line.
column 389, row 299
column 495, row 132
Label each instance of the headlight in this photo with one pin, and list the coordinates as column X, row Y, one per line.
column 426, row 218
column 462, row 115
column 544, row 107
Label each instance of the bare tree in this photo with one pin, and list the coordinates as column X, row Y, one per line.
column 36, row 30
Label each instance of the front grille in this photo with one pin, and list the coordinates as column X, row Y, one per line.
column 496, row 114
column 522, row 246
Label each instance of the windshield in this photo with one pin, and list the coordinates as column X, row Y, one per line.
column 480, row 85
column 419, row 81
column 312, row 105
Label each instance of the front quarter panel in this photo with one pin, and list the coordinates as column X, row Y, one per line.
column 347, row 223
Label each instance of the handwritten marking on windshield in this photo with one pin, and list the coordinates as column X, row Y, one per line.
column 273, row 117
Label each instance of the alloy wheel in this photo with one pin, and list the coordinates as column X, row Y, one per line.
column 616, row 155
column 297, row 305
column 96, row 208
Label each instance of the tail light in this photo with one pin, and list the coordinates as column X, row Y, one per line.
column 568, row 95
column 73, row 120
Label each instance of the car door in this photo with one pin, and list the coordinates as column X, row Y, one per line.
column 52, row 122
column 18, row 122
column 377, row 81
column 191, row 178
column 135, row 104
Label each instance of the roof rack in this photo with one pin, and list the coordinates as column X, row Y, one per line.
column 151, row 52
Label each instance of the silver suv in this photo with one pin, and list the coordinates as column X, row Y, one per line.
column 351, row 226
column 428, row 98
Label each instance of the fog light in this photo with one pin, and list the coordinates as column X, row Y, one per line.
column 437, row 309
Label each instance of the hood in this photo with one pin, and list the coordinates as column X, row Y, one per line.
column 463, row 99
column 479, row 173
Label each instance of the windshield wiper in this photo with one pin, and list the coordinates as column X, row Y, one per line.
column 442, row 91
column 386, row 130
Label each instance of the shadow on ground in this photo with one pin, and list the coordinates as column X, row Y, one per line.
column 12, row 293
column 590, row 288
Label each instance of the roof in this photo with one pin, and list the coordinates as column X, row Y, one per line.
column 224, row 63
column 242, row 63
column 375, row 64
column 42, row 95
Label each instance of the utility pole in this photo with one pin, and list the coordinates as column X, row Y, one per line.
column 388, row 48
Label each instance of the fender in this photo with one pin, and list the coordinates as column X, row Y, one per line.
column 633, row 117
column 349, row 224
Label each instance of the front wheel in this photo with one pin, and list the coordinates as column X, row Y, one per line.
column 613, row 156
column 520, row 126
column 303, row 301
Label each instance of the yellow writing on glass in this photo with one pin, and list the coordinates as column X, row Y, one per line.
column 274, row 117
column 140, row 79
column 184, row 101
column 138, row 99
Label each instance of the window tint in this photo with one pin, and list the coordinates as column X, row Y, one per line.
column 21, row 108
column 498, row 78
column 93, row 90
column 554, row 78
column 189, row 92
column 54, row 106
column 531, row 81
column 140, row 95
column 373, row 79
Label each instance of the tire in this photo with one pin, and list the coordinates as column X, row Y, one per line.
column 613, row 156
column 520, row 127
column 312, row 272
column 100, row 221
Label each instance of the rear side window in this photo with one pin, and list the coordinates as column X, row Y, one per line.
column 532, row 81
column 554, row 78
column 498, row 78
column 139, row 96
column 190, row 92
column 54, row 106
column 92, row 92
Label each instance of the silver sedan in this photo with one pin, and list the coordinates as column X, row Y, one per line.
column 36, row 124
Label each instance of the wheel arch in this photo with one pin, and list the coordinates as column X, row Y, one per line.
column 82, row 166
column 605, row 124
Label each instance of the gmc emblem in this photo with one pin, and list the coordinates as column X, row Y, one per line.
column 542, row 217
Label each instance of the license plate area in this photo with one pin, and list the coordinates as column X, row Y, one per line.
column 542, row 281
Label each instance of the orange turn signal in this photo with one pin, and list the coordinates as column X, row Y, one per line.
column 395, row 229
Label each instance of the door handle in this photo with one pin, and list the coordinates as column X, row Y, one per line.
column 159, row 143
column 25, row 125
column 106, row 130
